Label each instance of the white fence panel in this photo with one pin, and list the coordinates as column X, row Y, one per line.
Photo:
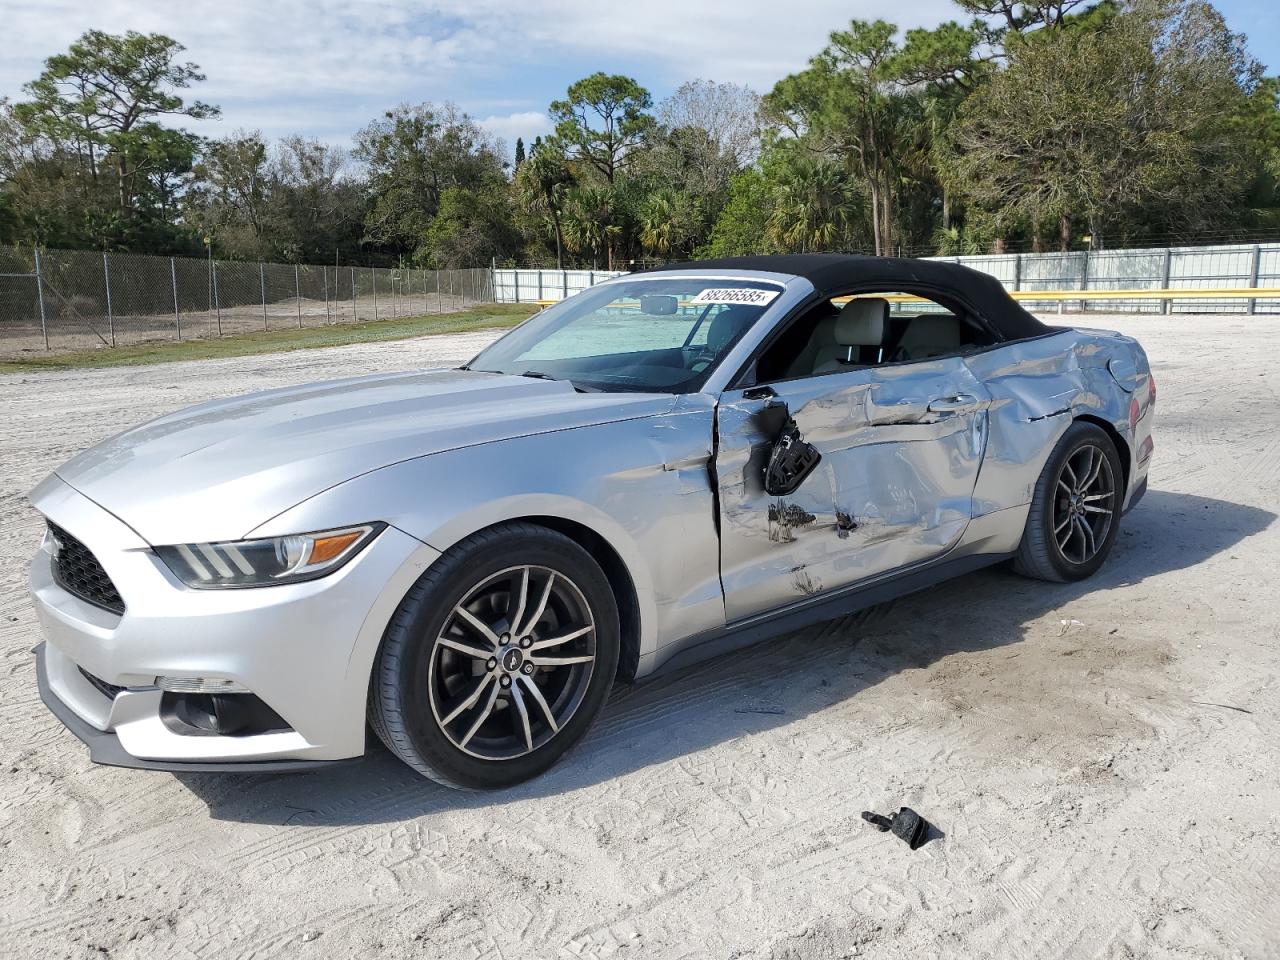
column 1191, row 268
column 1004, row 267
column 530, row 286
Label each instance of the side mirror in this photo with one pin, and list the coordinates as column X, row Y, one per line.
column 790, row 461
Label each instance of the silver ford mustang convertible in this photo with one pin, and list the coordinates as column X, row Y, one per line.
column 656, row 469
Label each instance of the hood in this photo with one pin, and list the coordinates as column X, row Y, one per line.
column 220, row 469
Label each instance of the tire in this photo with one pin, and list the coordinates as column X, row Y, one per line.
column 533, row 691
column 1069, row 534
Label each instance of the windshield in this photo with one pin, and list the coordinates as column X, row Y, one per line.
column 653, row 336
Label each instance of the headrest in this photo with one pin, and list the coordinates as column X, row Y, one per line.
column 931, row 335
column 728, row 323
column 861, row 322
column 938, row 327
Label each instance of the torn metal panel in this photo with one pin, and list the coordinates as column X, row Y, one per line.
column 1037, row 388
column 893, row 486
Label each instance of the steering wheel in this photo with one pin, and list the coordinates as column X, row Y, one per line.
column 702, row 358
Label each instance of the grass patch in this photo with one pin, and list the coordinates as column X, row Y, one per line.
column 487, row 316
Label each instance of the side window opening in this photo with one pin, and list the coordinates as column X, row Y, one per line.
column 870, row 329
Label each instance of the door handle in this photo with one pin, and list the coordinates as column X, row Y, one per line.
column 960, row 403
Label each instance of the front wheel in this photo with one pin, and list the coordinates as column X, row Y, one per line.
column 498, row 659
column 1075, row 509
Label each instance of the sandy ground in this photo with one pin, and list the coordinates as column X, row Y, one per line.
column 1101, row 759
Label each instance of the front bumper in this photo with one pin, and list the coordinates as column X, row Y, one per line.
column 104, row 746
column 304, row 649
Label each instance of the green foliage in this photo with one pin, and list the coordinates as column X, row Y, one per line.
column 540, row 185
column 292, row 202
column 670, row 223
column 1258, row 123
column 595, row 217
column 1031, row 123
column 412, row 155
column 95, row 111
column 860, row 103
column 602, row 120
column 471, row 227
column 943, row 56
column 1128, row 127
column 795, row 202
column 743, row 225
column 815, row 207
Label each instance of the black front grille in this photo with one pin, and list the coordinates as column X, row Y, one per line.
column 78, row 571
column 106, row 689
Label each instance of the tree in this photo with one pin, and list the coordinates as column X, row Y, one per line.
column 104, row 97
column 669, row 223
column 849, row 105
column 1259, row 124
column 472, row 227
column 412, row 155
column 290, row 202
column 1017, row 16
column 728, row 114
column 1126, row 125
column 815, row 207
column 743, row 224
column 315, row 207
column 44, row 198
column 593, row 218
column 230, row 197
column 519, row 154
column 792, row 201
column 541, row 183
column 941, row 67
column 602, row 120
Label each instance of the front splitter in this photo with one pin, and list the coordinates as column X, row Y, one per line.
column 105, row 748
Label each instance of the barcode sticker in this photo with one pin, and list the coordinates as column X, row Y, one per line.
column 745, row 295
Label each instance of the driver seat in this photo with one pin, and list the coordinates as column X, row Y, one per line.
column 729, row 324
column 860, row 323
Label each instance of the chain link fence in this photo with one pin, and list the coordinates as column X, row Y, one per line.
column 75, row 299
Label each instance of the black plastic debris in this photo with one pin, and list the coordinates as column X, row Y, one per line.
column 790, row 461
column 907, row 825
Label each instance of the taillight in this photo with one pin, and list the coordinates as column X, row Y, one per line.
column 1151, row 387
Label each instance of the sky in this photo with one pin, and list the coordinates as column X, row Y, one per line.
column 324, row 68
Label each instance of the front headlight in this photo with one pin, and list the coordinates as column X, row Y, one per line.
column 262, row 563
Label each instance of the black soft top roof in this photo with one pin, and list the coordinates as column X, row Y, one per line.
column 833, row 274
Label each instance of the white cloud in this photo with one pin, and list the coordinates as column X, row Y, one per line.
column 527, row 124
column 326, row 67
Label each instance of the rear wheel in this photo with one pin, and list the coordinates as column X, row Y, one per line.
column 497, row 660
column 1075, row 509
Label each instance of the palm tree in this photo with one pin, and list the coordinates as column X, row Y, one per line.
column 589, row 221
column 669, row 222
column 548, row 179
column 816, row 205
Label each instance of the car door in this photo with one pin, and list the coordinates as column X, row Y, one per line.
column 900, row 447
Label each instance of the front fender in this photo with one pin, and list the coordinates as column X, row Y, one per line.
column 642, row 485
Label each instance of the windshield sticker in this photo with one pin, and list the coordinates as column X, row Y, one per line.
column 755, row 298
